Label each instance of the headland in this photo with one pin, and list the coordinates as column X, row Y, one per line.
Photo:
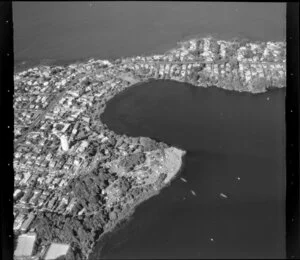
column 75, row 179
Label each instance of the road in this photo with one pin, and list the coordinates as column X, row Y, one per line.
column 48, row 108
column 157, row 65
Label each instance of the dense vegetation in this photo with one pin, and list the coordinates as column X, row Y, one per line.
column 90, row 216
column 129, row 162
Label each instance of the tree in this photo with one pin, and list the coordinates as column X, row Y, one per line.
column 200, row 45
column 130, row 161
column 162, row 145
column 215, row 48
column 112, row 215
column 28, row 195
column 124, row 185
column 148, row 144
column 282, row 54
column 196, row 53
column 186, row 45
column 234, row 64
column 243, row 42
column 259, row 84
column 196, row 71
column 199, row 68
column 248, row 53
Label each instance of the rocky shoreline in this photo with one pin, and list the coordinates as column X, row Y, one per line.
column 86, row 178
column 127, row 213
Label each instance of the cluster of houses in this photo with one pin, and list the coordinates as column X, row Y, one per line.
column 59, row 106
column 54, row 153
column 216, row 62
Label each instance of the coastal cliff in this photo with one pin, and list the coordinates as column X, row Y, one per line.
column 78, row 179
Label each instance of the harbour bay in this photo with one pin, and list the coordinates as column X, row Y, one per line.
column 234, row 144
column 231, row 203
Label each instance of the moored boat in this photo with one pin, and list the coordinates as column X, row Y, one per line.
column 183, row 179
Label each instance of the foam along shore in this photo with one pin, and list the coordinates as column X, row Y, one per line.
column 101, row 176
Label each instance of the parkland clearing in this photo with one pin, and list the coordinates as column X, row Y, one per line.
column 75, row 179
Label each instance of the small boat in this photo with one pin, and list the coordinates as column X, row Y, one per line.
column 183, row 179
column 194, row 193
column 223, row 195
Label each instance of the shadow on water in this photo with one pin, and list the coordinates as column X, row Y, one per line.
column 235, row 146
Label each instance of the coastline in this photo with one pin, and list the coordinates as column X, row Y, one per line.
column 163, row 48
column 233, row 72
column 118, row 71
column 125, row 216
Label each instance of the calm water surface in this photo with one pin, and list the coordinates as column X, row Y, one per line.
column 76, row 30
column 227, row 136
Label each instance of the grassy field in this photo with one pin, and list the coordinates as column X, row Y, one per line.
column 56, row 250
column 25, row 245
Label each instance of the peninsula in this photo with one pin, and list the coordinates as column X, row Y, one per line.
column 75, row 179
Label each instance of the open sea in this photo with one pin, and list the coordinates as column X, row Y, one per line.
column 76, row 30
column 235, row 142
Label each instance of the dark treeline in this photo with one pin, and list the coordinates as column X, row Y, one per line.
column 90, row 216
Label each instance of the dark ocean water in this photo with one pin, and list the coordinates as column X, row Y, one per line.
column 227, row 136
column 76, row 30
